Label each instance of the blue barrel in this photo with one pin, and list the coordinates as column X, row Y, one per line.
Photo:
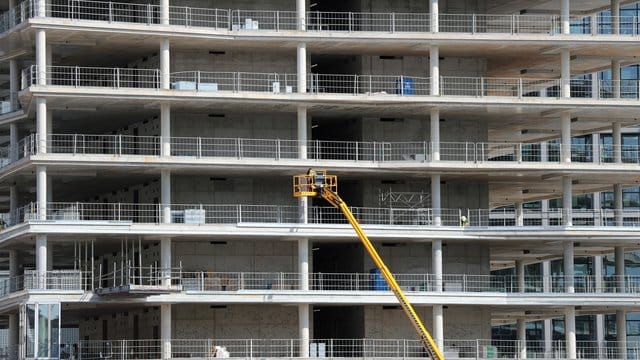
column 377, row 280
column 405, row 86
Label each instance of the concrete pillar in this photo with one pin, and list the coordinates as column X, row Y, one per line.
column 13, row 329
column 569, row 272
column 519, row 214
column 600, row 335
column 546, row 276
column 594, row 24
column 567, row 201
column 544, row 151
column 548, row 339
column 435, row 134
column 301, row 10
column 616, row 136
column 521, row 275
column 165, row 63
column 438, row 325
column 41, row 259
column 165, row 261
column 570, row 332
column 302, row 68
column 41, row 124
column 41, row 57
column 165, row 195
column 597, row 273
column 618, row 205
column 436, row 264
column 49, row 255
column 566, row 16
column 565, row 62
column 522, row 338
column 41, row 10
column 621, row 331
column 164, row 12
column 615, row 78
column 565, row 133
column 165, row 128
column 13, row 263
column 13, row 204
column 165, row 330
column 14, row 83
column 434, row 69
column 303, row 263
column 303, row 142
column 49, row 189
column 12, row 4
column 41, row 191
column 597, row 159
column 13, row 141
column 620, row 270
column 434, row 11
column 304, row 316
column 615, row 16
column 435, row 199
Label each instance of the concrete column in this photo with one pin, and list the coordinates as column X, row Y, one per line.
column 618, row 205
column 165, row 63
column 570, row 332
column 41, row 10
column 565, row 143
column 521, row 275
column 519, row 214
column 567, row 201
column 594, row 24
column 620, row 270
column 565, row 75
column 41, row 259
column 569, row 272
column 434, row 69
column 49, row 256
column 13, row 329
column 41, row 124
column 522, row 338
column 621, row 331
column 301, row 10
column 566, row 16
column 597, row 159
column 13, row 204
column 546, row 276
column 615, row 16
column 49, row 189
column 438, row 325
column 165, row 261
column 13, row 263
column 164, row 12
column 165, row 330
column 616, row 136
column 600, row 335
column 615, row 77
column 597, row 273
column 41, row 191
column 303, row 263
column 41, row 57
column 304, row 316
column 436, row 264
column 435, row 199
column 13, row 141
column 165, row 195
column 165, row 128
column 302, row 68
column 435, row 134
column 12, row 4
column 14, row 82
column 548, row 339
column 434, row 11
column 303, row 142
column 544, row 151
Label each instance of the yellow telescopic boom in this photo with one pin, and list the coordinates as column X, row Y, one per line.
column 319, row 184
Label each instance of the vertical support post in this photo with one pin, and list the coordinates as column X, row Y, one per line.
column 435, row 14
column 165, row 261
column 565, row 144
column 165, row 194
column 522, row 338
column 164, row 12
column 546, row 276
column 302, row 67
column 301, row 11
column 165, row 63
column 165, row 129
column 617, row 143
column 435, row 199
column 303, row 263
column 14, row 83
column 436, row 264
column 41, row 260
column 438, row 325
column 41, row 57
column 13, row 141
column 597, row 273
column 303, row 323
column 519, row 214
column 567, row 201
column 41, row 184
column 165, row 330
column 566, row 16
column 434, row 69
column 621, row 331
column 615, row 17
column 435, row 134
column 565, row 74
column 600, row 338
column 569, row 272
column 618, row 205
column 570, row 332
column 548, row 339
column 521, row 275
column 616, row 84
column 13, row 330
column 620, row 270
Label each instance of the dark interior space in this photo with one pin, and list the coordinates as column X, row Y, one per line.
column 333, row 15
column 337, row 322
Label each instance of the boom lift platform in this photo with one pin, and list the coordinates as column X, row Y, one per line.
column 319, row 184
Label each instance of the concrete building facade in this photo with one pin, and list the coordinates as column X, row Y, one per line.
column 149, row 149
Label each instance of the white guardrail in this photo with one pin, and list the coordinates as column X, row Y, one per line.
column 357, row 85
column 319, row 21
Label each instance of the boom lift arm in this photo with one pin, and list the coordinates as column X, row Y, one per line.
column 319, row 184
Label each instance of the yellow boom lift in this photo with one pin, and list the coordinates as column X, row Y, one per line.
column 319, row 184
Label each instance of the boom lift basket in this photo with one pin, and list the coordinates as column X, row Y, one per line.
column 309, row 185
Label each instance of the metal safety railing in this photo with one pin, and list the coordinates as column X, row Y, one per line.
column 151, row 276
column 349, row 348
column 319, row 21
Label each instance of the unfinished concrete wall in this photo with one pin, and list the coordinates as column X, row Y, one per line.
column 466, row 322
column 238, row 4
column 233, row 256
column 230, row 190
column 391, row 322
column 145, row 193
column 470, row 259
column 222, row 124
column 403, row 258
column 120, row 324
column 448, row 6
column 235, row 322
column 464, row 195
column 407, row 129
column 419, row 66
column 283, row 62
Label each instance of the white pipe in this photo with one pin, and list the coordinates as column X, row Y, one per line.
column 434, row 69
